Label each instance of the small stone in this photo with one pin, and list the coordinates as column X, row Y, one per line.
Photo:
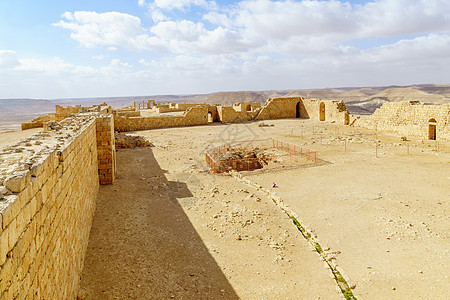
column 393, row 288
column 82, row 294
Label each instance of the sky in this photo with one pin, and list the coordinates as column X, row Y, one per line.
column 103, row 48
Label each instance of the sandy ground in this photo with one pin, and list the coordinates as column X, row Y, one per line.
column 8, row 137
column 168, row 228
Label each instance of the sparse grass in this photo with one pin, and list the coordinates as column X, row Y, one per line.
column 340, row 280
column 318, row 248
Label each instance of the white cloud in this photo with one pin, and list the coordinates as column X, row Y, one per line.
column 108, row 29
column 251, row 44
column 182, row 4
column 8, row 59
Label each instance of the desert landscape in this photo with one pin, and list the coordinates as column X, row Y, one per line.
column 334, row 206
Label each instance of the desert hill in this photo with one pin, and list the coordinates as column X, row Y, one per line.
column 359, row 100
column 228, row 98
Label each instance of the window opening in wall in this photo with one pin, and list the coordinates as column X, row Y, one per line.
column 322, row 111
column 249, row 107
column 432, row 129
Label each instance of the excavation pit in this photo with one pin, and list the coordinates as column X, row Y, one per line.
column 258, row 154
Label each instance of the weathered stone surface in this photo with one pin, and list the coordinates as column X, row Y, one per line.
column 17, row 182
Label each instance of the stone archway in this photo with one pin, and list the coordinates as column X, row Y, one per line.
column 432, row 129
column 322, row 111
column 210, row 117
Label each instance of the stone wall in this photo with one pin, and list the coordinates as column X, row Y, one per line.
column 246, row 106
column 68, row 110
column 229, row 115
column 40, row 121
column 192, row 117
column 106, row 149
column 280, row 108
column 48, row 190
column 409, row 119
column 298, row 107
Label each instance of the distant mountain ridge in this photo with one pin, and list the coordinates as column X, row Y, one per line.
column 359, row 100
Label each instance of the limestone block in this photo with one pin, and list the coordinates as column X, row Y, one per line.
column 18, row 181
column 4, row 236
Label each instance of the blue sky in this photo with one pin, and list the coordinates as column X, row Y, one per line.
column 56, row 49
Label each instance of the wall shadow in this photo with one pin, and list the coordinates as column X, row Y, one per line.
column 142, row 245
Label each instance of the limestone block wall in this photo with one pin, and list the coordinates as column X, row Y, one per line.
column 228, row 115
column 40, row 121
column 106, row 149
column 279, row 108
column 128, row 113
column 68, row 110
column 48, row 188
column 298, row 107
column 246, row 106
column 410, row 119
column 192, row 117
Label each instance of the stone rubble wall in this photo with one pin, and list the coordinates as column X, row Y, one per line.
column 48, row 189
column 40, row 121
column 192, row 117
column 409, row 119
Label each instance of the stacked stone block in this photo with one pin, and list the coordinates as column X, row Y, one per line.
column 192, row 117
column 106, row 149
column 45, row 218
column 409, row 118
column 286, row 107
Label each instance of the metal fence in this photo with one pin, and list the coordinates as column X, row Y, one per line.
column 253, row 163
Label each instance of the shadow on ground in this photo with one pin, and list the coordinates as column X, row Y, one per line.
column 142, row 245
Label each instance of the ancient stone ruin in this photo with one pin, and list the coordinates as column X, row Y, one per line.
column 49, row 182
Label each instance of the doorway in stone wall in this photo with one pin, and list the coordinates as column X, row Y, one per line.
column 322, row 111
column 210, row 117
column 297, row 110
column 248, row 108
column 432, row 129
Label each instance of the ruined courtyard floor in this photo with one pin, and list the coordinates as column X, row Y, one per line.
column 169, row 229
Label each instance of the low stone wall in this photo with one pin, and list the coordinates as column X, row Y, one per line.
column 192, row 117
column 228, row 114
column 409, row 119
column 40, row 121
column 68, row 110
column 48, row 189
